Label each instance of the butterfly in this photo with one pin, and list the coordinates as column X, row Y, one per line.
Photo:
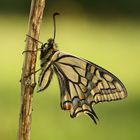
column 82, row 83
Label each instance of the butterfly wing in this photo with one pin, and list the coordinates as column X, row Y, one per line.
column 44, row 78
column 83, row 83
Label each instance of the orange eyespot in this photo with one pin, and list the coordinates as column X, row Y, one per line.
column 67, row 106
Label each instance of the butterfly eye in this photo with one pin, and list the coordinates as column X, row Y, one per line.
column 50, row 42
column 43, row 47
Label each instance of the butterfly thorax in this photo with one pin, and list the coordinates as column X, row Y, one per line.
column 47, row 51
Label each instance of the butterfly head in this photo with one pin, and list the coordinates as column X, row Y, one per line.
column 47, row 50
column 50, row 42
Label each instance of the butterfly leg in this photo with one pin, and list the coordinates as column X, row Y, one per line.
column 34, row 39
column 32, row 73
column 31, row 51
column 27, row 76
column 37, row 49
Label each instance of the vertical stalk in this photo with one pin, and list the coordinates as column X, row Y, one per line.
column 28, row 82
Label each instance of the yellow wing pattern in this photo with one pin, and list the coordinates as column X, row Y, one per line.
column 83, row 83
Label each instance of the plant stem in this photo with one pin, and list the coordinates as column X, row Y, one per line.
column 28, row 82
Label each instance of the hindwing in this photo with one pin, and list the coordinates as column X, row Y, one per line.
column 83, row 83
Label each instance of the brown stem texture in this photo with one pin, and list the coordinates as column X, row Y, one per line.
column 28, row 81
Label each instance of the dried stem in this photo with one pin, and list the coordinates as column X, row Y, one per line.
column 28, row 82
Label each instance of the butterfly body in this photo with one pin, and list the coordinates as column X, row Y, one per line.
column 82, row 83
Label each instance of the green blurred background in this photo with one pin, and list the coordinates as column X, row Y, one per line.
column 104, row 32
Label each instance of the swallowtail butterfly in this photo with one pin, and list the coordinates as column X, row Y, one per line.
column 82, row 83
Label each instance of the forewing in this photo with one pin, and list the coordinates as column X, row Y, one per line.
column 83, row 83
column 44, row 78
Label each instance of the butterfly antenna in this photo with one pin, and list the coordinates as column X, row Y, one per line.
column 54, row 21
column 34, row 39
